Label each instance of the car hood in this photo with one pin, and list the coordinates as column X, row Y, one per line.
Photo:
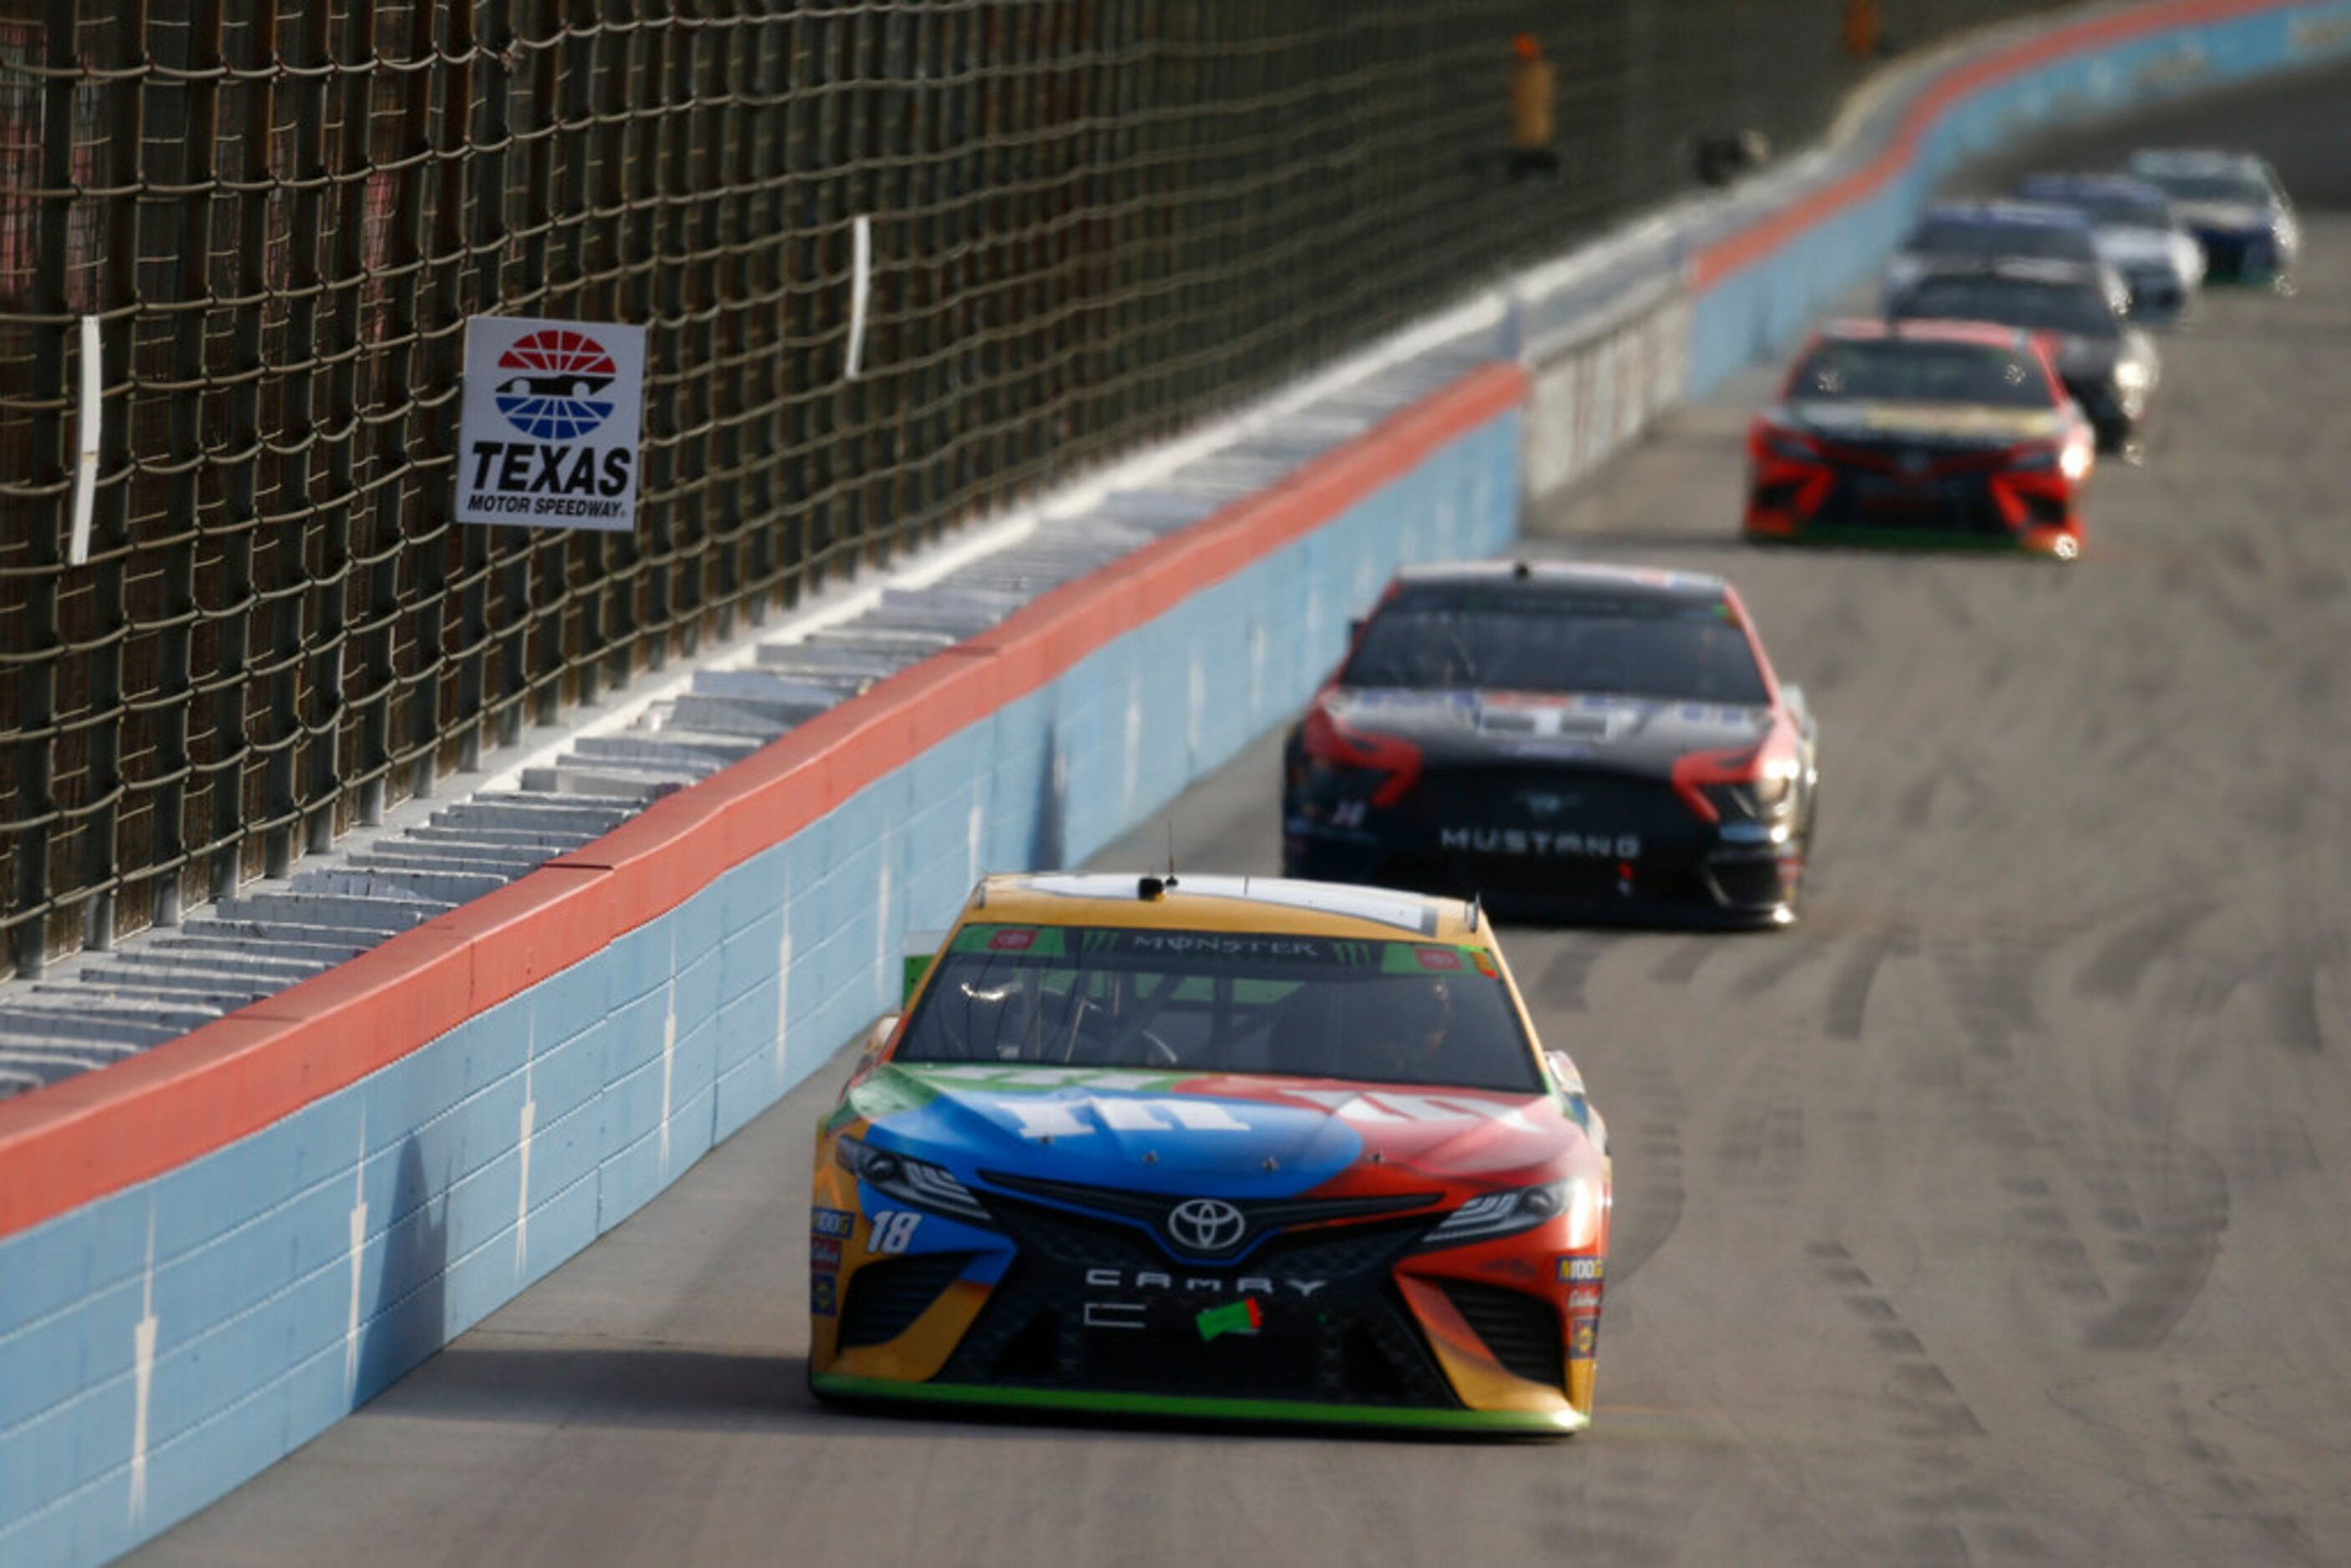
column 2227, row 217
column 1232, row 1136
column 1961, row 423
column 2136, row 246
column 1629, row 734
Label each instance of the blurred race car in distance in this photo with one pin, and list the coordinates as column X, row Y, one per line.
column 1939, row 433
column 2135, row 231
column 2234, row 206
column 1563, row 739
column 1999, row 231
column 2111, row 368
column 1214, row 1147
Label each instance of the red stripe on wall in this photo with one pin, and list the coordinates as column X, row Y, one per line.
column 1735, row 252
column 79, row 1140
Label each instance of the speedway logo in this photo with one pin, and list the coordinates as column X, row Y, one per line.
column 549, row 435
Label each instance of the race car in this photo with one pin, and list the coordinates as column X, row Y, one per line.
column 1563, row 740
column 1940, row 433
column 1213, row 1147
column 2234, row 206
column 2000, row 231
column 2136, row 232
column 2112, row 369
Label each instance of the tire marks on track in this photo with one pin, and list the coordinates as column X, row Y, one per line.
column 2122, row 960
column 1848, row 1000
column 1947, row 1510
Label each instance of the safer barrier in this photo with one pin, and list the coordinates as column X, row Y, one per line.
column 210, row 1254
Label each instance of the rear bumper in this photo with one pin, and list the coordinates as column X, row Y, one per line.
column 1561, row 1423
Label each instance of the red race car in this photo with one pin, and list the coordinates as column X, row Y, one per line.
column 1935, row 433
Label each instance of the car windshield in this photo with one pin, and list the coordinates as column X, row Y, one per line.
column 1913, row 370
column 2210, row 186
column 1978, row 237
column 1222, row 1002
column 2073, row 308
column 2116, row 209
column 1642, row 646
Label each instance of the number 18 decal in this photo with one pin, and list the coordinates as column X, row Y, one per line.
column 891, row 1231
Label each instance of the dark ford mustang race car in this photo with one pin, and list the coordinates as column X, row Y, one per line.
column 1225, row 1148
column 2111, row 368
column 1939, row 433
column 1568, row 740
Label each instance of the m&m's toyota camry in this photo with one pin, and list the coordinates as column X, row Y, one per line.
column 1216, row 1149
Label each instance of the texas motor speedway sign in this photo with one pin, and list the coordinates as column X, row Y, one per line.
column 548, row 436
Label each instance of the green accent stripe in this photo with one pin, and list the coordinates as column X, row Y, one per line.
column 1558, row 1423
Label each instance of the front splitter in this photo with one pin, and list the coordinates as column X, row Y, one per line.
column 1560, row 1423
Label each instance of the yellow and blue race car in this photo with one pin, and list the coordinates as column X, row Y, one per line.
column 1230, row 1148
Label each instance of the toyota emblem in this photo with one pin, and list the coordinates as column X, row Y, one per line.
column 1207, row 1225
column 1916, row 463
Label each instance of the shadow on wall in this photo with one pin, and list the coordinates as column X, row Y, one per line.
column 608, row 1386
column 1047, row 843
column 407, row 1322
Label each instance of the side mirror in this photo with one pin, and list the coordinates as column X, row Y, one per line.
column 1563, row 1072
column 1355, row 630
column 877, row 1039
column 1579, row 1106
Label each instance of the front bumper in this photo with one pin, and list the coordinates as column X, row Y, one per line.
column 1695, row 876
column 1827, row 503
column 1350, row 1323
column 2158, row 295
column 2244, row 256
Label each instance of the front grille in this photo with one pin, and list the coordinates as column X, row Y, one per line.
column 1549, row 833
column 1558, row 800
column 1263, row 1217
column 885, row 1298
column 2155, row 290
column 1963, row 506
column 1095, row 1304
column 2235, row 255
column 1522, row 1331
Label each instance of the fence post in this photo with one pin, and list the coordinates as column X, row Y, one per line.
column 36, row 681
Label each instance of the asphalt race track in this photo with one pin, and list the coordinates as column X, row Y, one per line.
column 2001, row 1213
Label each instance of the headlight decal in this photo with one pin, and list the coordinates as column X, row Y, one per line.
column 918, row 1182
column 1506, row 1213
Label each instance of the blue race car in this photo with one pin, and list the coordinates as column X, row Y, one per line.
column 2234, row 206
column 2136, row 230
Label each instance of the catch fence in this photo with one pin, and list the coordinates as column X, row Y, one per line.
column 1091, row 221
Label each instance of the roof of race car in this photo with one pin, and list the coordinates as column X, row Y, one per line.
column 1267, row 905
column 2044, row 186
column 2004, row 212
column 1540, row 576
column 2023, row 269
column 1987, row 333
column 2196, row 159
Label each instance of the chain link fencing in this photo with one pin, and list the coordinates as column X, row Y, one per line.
column 1091, row 222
